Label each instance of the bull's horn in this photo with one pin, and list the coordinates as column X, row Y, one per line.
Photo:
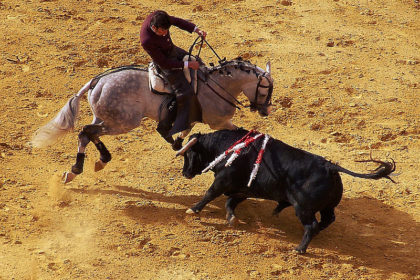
column 186, row 147
column 268, row 67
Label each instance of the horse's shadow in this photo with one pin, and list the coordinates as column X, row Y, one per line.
column 371, row 232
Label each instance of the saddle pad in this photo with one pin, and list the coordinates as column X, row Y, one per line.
column 158, row 83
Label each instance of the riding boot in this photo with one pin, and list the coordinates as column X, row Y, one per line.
column 166, row 123
column 184, row 93
column 183, row 112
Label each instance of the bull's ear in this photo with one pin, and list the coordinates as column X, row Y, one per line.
column 268, row 67
column 186, row 147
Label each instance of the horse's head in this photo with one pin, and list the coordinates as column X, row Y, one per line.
column 259, row 91
column 230, row 78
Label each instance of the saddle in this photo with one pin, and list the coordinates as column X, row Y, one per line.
column 158, row 83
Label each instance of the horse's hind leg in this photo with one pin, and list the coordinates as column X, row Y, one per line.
column 92, row 132
column 77, row 168
column 104, row 158
column 89, row 133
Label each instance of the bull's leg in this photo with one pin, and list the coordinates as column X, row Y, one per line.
column 231, row 204
column 214, row 191
column 311, row 229
column 327, row 218
column 281, row 206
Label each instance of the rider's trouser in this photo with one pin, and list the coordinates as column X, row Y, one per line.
column 184, row 93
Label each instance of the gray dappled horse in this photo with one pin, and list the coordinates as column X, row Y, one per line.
column 121, row 98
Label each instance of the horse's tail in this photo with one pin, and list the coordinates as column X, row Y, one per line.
column 63, row 122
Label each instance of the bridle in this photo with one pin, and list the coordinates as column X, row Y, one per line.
column 254, row 105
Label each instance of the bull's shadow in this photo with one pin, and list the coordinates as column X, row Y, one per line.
column 373, row 233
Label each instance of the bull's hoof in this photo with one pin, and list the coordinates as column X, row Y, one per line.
column 233, row 221
column 99, row 165
column 300, row 251
column 190, row 211
column 68, row 177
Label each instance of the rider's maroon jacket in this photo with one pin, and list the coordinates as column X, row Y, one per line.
column 159, row 47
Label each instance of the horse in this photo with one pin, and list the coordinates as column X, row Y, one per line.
column 120, row 98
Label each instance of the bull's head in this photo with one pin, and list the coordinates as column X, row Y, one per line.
column 193, row 163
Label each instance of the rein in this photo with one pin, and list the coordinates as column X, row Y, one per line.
column 221, row 62
column 254, row 105
column 222, row 97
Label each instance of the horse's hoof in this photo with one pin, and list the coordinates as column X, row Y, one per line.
column 68, row 177
column 99, row 165
column 177, row 145
column 190, row 211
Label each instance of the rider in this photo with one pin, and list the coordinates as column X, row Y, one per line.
column 156, row 40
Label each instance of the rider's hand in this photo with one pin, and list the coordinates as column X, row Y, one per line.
column 202, row 33
column 193, row 65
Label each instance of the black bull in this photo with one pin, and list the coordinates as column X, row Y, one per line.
column 288, row 175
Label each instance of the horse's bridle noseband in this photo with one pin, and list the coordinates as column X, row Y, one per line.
column 254, row 105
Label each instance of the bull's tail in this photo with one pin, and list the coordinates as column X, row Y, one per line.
column 382, row 171
column 63, row 122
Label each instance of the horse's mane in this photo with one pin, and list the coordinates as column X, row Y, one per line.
column 222, row 68
column 237, row 63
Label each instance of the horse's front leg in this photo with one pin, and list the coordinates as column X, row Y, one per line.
column 223, row 125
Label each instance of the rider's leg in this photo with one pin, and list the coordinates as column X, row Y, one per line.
column 184, row 92
column 166, row 123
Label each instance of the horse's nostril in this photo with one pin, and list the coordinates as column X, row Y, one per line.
column 263, row 113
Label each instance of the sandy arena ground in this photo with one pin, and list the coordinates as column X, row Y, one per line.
column 346, row 83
